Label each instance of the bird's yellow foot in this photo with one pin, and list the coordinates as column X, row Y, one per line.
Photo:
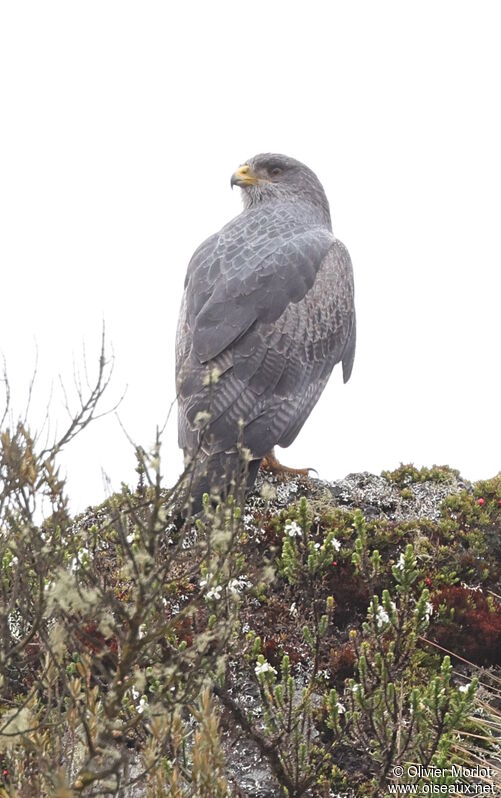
column 270, row 464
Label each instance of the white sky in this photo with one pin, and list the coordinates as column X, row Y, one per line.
column 121, row 124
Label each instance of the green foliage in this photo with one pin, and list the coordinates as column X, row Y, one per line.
column 290, row 709
column 108, row 633
column 118, row 628
column 304, row 558
column 395, row 709
column 368, row 567
column 408, row 474
column 474, row 519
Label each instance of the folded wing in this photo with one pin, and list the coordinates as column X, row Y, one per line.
column 271, row 318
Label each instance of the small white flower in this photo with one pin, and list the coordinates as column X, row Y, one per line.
column 464, row 688
column 401, row 562
column 264, row 667
column 135, row 693
column 382, row 617
column 293, row 609
column 335, row 543
column 142, row 705
column 357, row 688
column 428, row 610
column 82, row 556
column 293, row 530
column 214, row 593
column 130, row 538
column 316, row 545
column 206, row 580
column 236, row 586
column 341, row 708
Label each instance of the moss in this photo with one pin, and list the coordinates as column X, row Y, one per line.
column 408, row 474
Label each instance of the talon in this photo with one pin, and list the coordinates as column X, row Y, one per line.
column 271, row 464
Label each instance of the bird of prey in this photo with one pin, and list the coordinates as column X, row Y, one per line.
column 267, row 312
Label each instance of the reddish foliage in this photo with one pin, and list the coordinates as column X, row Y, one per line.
column 350, row 593
column 342, row 662
column 275, row 647
column 183, row 628
column 271, row 537
column 474, row 631
column 94, row 641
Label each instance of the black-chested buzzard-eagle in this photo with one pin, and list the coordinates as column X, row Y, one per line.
column 267, row 313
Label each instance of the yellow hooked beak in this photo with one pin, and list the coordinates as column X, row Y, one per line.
column 244, row 176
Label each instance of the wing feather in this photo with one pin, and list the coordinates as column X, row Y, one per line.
column 273, row 336
column 240, row 279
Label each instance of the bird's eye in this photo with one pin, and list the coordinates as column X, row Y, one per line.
column 275, row 171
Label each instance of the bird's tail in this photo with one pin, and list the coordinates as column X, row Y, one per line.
column 218, row 475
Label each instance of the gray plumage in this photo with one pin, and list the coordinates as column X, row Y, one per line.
column 267, row 313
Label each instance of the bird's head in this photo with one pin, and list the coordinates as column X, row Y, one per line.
column 270, row 177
